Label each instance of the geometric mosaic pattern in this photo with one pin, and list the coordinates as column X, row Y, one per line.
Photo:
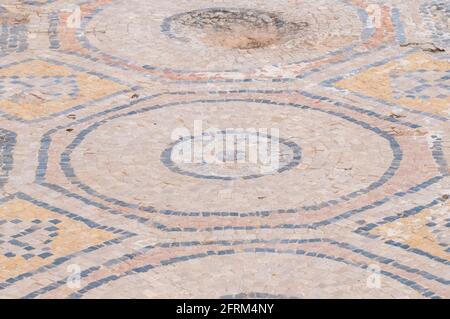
column 50, row 87
column 34, row 235
column 416, row 81
column 33, row 89
column 421, row 84
column 31, row 239
column 423, row 231
column 99, row 97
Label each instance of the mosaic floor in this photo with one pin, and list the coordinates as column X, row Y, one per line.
column 94, row 93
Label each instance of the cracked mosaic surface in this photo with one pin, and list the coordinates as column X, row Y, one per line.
column 93, row 203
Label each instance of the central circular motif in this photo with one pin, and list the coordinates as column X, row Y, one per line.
column 232, row 28
column 122, row 157
column 195, row 36
column 229, row 155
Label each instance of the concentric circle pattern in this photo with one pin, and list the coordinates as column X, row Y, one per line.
column 144, row 146
column 224, row 149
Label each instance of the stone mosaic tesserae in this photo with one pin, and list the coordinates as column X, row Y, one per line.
column 118, row 178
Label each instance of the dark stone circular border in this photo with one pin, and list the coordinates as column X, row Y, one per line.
column 66, row 167
column 274, row 249
column 167, row 161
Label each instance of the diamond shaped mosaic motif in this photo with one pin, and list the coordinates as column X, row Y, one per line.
column 417, row 81
column 423, row 231
column 33, row 236
column 34, row 89
column 50, row 88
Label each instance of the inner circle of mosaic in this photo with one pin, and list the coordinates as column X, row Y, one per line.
column 231, row 154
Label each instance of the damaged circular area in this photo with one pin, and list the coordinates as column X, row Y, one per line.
column 197, row 36
column 232, row 28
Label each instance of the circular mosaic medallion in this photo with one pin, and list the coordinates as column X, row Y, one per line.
column 119, row 159
column 231, row 155
column 237, row 35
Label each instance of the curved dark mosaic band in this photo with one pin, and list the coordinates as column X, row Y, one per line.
column 65, row 162
column 130, row 256
column 264, row 250
column 167, row 160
